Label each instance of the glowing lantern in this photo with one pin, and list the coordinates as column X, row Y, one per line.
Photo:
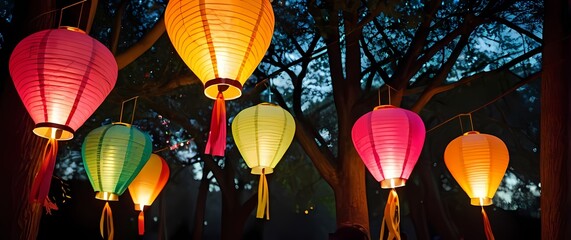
column 478, row 162
column 147, row 185
column 389, row 141
column 262, row 134
column 62, row 76
column 113, row 155
column 222, row 42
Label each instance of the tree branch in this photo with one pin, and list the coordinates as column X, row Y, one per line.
column 135, row 51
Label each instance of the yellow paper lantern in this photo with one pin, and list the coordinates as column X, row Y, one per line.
column 263, row 134
column 222, row 42
column 145, row 188
column 478, row 163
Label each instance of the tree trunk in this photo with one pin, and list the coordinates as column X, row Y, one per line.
column 555, row 118
column 352, row 213
column 21, row 147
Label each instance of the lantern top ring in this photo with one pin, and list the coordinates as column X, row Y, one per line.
column 471, row 132
column 53, row 131
column 73, row 29
column 393, row 182
column 233, row 91
column 259, row 169
column 122, row 123
column 107, row 196
column 383, row 106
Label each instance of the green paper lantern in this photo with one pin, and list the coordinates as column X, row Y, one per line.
column 113, row 155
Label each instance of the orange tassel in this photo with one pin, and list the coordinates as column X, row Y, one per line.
column 141, row 223
column 43, row 179
column 391, row 218
column 106, row 222
column 216, row 143
column 487, row 226
column 263, row 199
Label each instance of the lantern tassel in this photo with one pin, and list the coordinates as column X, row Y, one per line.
column 392, row 217
column 263, row 200
column 43, row 179
column 141, row 223
column 216, row 143
column 487, row 226
column 106, row 222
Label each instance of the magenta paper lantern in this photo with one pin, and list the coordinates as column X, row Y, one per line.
column 389, row 141
column 62, row 76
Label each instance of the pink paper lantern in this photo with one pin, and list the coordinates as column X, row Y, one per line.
column 389, row 141
column 62, row 76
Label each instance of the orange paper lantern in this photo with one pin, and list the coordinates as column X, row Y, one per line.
column 147, row 185
column 222, row 42
column 478, row 163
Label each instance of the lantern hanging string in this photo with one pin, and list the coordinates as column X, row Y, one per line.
column 388, row 91
column 134, row 107
column 510, row 90
column 391, row 217
column 471, row 123
column 106, row 222
column 71, row 5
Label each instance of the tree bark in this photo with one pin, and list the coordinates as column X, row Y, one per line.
column 555, row 118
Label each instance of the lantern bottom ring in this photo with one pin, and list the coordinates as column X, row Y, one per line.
column 107, row 196
column 485, row 201
column 258, row 170
column 54, row 131
column 393, row 182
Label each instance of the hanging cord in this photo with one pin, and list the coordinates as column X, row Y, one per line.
column 263, row 200
column 487, row 225
column 134, row 108
column 43, row 179
column 71, row 5
column 391, row 217
column 106, row 222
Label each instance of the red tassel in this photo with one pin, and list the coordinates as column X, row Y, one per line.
column 487, row 226
column 43, row 179
column 141, row 223
column 216, row 143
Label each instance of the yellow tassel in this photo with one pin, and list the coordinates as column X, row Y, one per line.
column 392, row 217
column 487, row 226
column 106, row 216
column 263, row 200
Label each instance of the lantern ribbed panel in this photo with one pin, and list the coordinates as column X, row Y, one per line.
column 220, row 39
column 389, row 141
column 149, row 182
column 478, row 163
column 113, row 155
column 62, row 76
column 263, row 134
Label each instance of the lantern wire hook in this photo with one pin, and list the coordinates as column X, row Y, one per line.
column 71, row 5
column 471, row 123
column 134, row 107
column 270, row 90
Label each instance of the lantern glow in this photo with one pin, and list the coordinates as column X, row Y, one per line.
column 478, row 163
column 389, row 141
column 145, row 188
column 62, row 76
column 113, row 155
column 263, row 134
column 222, row 42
